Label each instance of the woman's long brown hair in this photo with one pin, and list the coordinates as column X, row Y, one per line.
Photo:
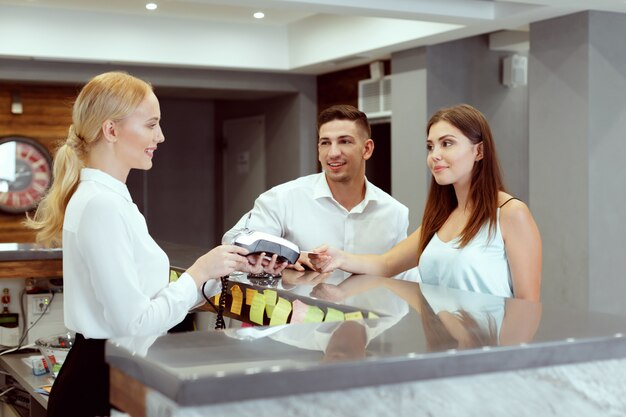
column 485, row 184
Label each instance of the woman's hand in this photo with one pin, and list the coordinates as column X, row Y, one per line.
column 218, row 262
column 326, row 258
column 259, row 263
column 329, row 292
column 303, row 278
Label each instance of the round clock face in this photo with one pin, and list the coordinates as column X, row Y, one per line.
column 25, row 173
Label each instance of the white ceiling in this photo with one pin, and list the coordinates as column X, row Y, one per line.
column 299, row 36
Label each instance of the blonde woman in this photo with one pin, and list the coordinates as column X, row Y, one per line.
column 115, row 275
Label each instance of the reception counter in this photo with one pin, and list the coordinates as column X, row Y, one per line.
column 28, row 260
column 397, row 348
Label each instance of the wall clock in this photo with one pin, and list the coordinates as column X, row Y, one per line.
column 25, row 173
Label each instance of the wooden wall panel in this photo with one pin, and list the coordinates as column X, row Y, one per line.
column 47, row 114
column 342, row 87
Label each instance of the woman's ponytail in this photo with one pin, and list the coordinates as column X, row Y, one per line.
column 48, row 219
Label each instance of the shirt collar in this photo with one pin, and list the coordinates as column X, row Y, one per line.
column 101, row 177
column 321, row 190
column 370, row 193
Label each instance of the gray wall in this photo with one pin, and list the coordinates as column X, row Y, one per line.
column 291, row 137
column 577, row 149
column 607, row 161
column 559, row 126
column 466, row 71
column 290, row 133
column 180, row 188
column 409, row 175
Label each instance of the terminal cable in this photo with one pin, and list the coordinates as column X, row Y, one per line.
column 219, row 309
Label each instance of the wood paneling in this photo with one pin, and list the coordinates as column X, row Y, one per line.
column 342, row 87
column 127, row 394
column 43, row 268
column 46, row 117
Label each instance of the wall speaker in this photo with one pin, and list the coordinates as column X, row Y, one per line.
column 16, row 103
column 377, row 70
column 515, row 71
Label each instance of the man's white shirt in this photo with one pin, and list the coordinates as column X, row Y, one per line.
column 304, row 212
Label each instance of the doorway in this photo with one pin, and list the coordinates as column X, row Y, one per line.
column 378, row 168
column 243, row 167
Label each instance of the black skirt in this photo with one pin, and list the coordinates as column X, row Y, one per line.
column 82, row 386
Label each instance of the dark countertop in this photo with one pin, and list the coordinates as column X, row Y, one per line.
column 182, row 256
column 27, row 252
column 423, row 332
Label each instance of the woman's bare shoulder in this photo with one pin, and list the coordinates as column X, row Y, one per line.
column 512, row 210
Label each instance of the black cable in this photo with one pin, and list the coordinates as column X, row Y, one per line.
column 219, row 322
column 219, row 310
column 208, row 300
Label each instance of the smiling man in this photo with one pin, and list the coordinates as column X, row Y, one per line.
column 338, row 206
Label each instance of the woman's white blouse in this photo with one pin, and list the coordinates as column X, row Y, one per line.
column 115, row 276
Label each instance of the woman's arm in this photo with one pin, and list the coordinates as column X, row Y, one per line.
column 398, row 259
column 105, row 243
column 520, row 323
column 522, row 243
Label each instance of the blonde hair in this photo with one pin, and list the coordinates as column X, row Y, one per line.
column 108, row 96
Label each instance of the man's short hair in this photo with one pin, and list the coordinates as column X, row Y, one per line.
column 345, row 112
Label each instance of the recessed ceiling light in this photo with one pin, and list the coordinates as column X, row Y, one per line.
column 151, row 6
column 259, row 15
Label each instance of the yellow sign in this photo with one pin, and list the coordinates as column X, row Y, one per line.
column 281, row 312
column 314, row 315
column 237, row 303
column 333, row 315
column 270, row 301
column 355, row 315
column 257, row 309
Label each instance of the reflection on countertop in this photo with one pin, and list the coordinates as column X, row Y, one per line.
column 422, row 332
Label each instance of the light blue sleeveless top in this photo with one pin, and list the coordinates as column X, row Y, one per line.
column 481, row 266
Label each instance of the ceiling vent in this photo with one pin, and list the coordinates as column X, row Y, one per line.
column 375, row 97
